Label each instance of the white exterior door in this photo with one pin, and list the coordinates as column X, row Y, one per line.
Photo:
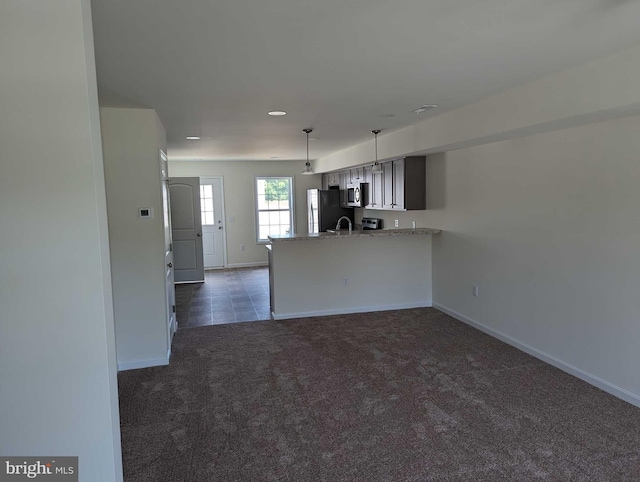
column 168, row 251
column 213, row 232
column 186, row 229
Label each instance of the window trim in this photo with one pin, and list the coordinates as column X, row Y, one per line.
column 256, row 211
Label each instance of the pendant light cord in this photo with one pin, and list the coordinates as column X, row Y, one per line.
column 307, row 166
column 376, row 134
column 307, row 131
column 376, row 165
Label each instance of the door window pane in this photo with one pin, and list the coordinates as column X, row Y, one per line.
column 206, row 205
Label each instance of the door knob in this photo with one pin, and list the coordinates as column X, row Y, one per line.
column 170, row 265
column 199, row 234
column 219, row 227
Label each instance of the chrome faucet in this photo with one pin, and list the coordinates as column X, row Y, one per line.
column 340, row 220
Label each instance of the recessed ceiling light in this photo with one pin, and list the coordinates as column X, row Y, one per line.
column 425, row 108
column 277, row 112
column 193, row 138
column 275, row 157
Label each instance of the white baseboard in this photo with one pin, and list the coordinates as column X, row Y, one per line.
column 247, row 265
column 598, row 382
column 133, row 365
column 346, row 311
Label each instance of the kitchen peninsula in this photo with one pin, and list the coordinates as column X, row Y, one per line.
column 343, row 272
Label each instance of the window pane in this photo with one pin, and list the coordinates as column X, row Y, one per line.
column 274, row 205
column 208, row 190
column 208, row 204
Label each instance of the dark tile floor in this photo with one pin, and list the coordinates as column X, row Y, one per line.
column 226, row 296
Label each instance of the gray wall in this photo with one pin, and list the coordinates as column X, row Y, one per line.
column 132, row 139
column 58, row 389
column 548, row 227
column 382, row 273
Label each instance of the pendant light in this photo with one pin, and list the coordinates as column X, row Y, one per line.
column 376, row 168
column 307, row 166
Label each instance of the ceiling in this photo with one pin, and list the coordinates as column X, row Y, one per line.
column 214, row 68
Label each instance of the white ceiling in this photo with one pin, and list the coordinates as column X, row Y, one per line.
column 214, row 68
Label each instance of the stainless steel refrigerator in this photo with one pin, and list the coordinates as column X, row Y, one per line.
column 324, row 210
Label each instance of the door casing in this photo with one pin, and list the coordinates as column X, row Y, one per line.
column 170, row 297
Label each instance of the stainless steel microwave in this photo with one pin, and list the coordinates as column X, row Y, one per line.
column 356, row 195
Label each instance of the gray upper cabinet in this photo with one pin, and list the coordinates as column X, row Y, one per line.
column 330, row 179
column 344, row 181
column 401, row 186
column 388, row 185
column 356, row 175
column 374, row 189
column 404, row 184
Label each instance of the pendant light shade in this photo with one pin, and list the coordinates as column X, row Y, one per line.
column 376, row 168
column 307, row 167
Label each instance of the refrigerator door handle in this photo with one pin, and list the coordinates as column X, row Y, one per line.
column 312, row 220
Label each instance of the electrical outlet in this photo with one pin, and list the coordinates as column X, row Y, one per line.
column 345, row 282
column 242, row 247
column 475, row 291
column 396, row 223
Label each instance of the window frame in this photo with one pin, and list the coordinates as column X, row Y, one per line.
column 257, row 211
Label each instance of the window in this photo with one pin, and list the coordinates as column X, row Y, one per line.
column 206, row 204
column 274, row 213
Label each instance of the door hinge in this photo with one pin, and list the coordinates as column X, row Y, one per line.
column 174, row 308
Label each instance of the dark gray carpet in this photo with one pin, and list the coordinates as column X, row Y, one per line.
column 409, row 395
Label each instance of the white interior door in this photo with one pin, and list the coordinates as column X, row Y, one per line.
column 213, row 232
column 168, row 251
column 186, row 229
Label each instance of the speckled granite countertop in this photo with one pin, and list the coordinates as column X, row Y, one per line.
column 354, row 234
